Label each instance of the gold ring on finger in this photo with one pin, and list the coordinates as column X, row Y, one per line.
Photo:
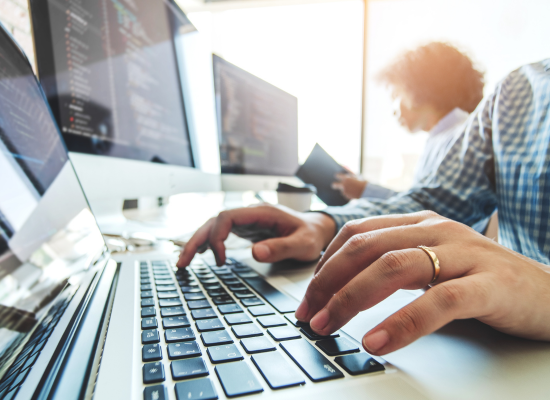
column 435, row 261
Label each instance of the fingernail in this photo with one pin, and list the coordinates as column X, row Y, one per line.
column 375, row 341
column 261, row 251
column 320, row 320
column 302, row 310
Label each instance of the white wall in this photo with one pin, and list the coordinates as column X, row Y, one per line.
column 313, row 51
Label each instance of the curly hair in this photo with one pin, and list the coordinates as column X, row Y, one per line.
column 437, row 74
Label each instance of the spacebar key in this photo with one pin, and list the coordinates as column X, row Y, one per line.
column 281, row 302
column 313, row 363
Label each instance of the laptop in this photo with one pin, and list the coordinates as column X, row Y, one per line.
column 78, row 323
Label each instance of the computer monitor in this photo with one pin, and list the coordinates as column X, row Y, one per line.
column 257, row 127
column 112, row 73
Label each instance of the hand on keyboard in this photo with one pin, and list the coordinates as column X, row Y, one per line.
column 301, row 236
column 372, row 258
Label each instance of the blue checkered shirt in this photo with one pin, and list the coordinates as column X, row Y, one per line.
column 500, row 159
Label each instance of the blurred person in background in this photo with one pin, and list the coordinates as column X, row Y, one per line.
column 434, row 87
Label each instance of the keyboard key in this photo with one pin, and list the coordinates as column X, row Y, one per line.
column 178, row 351
column 150, row 336
column 313, row 363
column 145, row 281
column 179, row 335
column 203, row 313
column 213, row 286
column 277, row 372
column 164, row 281
column 172, row 311
column 306, row 330
column 197, row 389
column 216, row 292
column 271, row 321
column 222, row 300
column 237, row 286
column 292, row 319
column 208, row 281
column 196, row 304
column 157, row 392
column 357, row 364
column 225, row 353
column 148, row 302
column 281, row 302
column 151, row 352
column 216, row 338
column 170, row 302
column 248, row 275
column 231, row 281
column 247, row 330
column 168, row 295
column 146, row 287
column 237, row 379
column 166, row 288
column 205, row 275
column 191, row 368
column 261, row 310
column 207, row 325
column 153, row 373
column 254, row 301
column 145, row 294
column 230, row 308
column 243, row 294
column 159, row 263
column 225, row 275
column 149, row 323
column 257, row 345
column 237, row 319
column 337, row 346
column 175, row 322
column 190, row 289
column 283, row 333
column 194, row 296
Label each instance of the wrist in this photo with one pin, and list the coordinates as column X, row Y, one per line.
column 324, row 226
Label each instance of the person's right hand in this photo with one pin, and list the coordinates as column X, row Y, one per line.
column 300, row 236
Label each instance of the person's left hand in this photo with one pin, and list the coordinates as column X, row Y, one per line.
column 351, row 186
column 372, row 258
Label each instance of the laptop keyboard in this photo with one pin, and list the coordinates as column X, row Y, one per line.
column 235, row 314
column 22, row 365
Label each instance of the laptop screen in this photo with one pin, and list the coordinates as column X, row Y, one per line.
column 48, row 236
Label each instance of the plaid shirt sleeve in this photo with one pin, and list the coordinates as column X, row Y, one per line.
column 460, row 187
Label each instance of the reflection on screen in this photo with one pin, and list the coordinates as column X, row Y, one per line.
column 48, row 236
column 117, row 88
column 258, row 123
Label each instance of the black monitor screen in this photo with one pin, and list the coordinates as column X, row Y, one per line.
column 257, row 123
column 110, row 73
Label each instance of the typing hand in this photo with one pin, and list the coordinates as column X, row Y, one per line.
column 351, row 186
column 300, row 236
column 372, row 258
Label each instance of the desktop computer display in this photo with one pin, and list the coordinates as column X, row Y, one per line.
column 112, row 72
column 112, row 80
column 257, row 124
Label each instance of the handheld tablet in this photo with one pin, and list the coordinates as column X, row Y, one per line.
column 319, row 170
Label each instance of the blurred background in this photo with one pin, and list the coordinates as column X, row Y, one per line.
column 321, row 51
